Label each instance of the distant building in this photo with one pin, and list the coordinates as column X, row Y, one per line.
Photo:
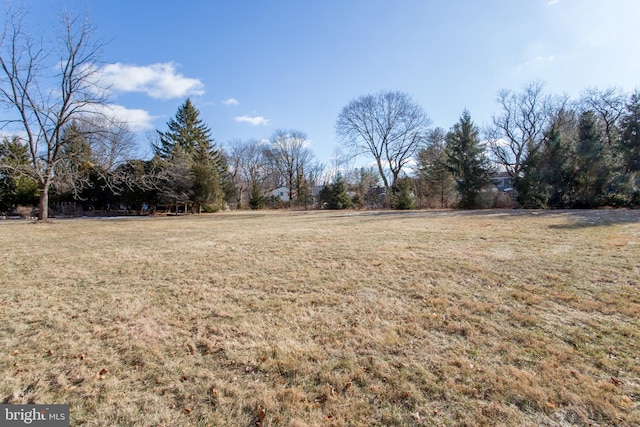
column 281, row 193
column 503, row 182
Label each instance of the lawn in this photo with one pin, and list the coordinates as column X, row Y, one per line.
column 505, row 318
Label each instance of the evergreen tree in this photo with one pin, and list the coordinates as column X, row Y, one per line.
column 557, row 171
column 467, row 161
column 140, row 177
column 532, row 187
column 191, row 157
column 547, row 173
column 257, row 199
column 324, row 197
column 630, row 138
column 339, row 198
column 590, row 175
column 629, row 149
column 186, row 130
column 207, row 186
column 435, row 181
column 77, row 179
column 15, row 188
column 404, row 195
column 178, row 180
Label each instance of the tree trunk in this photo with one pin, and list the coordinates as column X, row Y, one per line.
column 383, row 176
column 43, row 204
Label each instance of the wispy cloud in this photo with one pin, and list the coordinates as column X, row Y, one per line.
column 253, row 121
column 231, row 101
column 552, row 2
column 161, row 81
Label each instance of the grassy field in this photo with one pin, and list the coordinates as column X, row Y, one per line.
column 506, row 318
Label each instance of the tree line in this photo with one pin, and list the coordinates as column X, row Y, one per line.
column 553, row 151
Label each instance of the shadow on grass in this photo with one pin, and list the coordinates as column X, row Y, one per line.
column 577, row 219
column 597, row 218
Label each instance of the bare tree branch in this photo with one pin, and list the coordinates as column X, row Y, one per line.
column 519, row 130
column 41, row 108
column 389, row 126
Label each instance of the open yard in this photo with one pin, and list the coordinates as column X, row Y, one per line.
column 506, row 318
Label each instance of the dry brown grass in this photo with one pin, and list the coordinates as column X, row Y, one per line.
column 508, row 318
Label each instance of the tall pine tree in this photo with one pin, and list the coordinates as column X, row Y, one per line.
column 186, row 130
column 590, row 175
column 467, row 161
column 629, row 149
column 188, row 141
column 339, row 198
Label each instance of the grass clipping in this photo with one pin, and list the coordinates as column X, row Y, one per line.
column 508, row 318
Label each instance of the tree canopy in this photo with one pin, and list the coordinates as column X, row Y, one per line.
column 389, row 126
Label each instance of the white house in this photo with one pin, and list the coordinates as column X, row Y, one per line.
column 282, row 193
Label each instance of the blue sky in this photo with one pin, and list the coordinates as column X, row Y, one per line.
column 251, row 67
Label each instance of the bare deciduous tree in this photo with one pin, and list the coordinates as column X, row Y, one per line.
column 519, row 130
column 290, row 155
column 248, row 166
column 95, row 148
column 608, row 104
column 389, row 126
column 42, row 103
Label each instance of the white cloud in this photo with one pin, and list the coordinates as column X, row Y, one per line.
column 137, row 119
column 552, row 2
column 254, row 121
column 160, row 80
column 231, row 101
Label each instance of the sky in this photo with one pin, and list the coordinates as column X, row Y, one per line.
column 254, row 66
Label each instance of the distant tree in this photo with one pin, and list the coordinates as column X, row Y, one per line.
column 75, row 170
column 607, row 106
column 362, row 180
column 141, row 186
column 629, row 149
column 467, row 161
column 178, row 180
column 15, row 188
column 188, row 148
column 289, row 155
column 590, row 171
column 547, row 174
column 186, row 130
column 405, row 195
column 435, row 181
column 237, row 150
column 206, row 190
column 519, row 129
column 339, row 198
column 629, row 142
column 43, row 98
column 389, row 126
column 257, row 199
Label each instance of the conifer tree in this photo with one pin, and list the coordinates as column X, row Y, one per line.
column 547, row 173
column 15, row 188
column 590, row 170
column 435, row 181
column 186, row 130
column 629, row 149
column 257, row 199
column 188, row 150
column 339, row 198
column 467, row 161
column 404, row 195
